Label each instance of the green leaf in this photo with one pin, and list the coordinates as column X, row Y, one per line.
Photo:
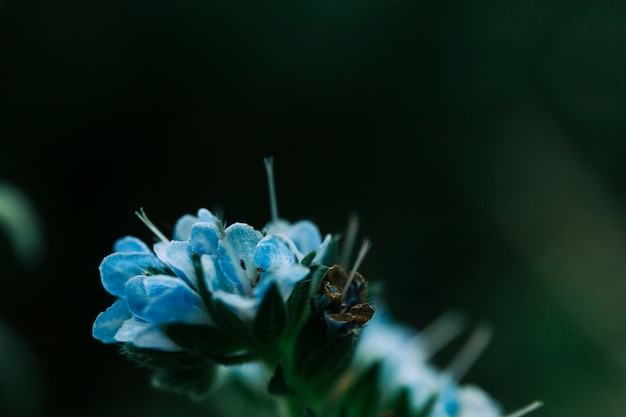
column 203, row 339
column 231, row 323
column 317, row 275
column 278, row 385
column 362, row 398
column 332, row 251
column 271, row 317
column 297, row 304
column 194, row 382
column 152, row 358
column 402, row 404
column 306, row 261
column 319, row 357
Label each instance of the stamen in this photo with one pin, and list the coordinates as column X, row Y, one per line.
column 365, row 247
column 269, row 169
column 350, row 237
column 144, row 218
column 476, row 344
column 525, row 410
column 440, row 332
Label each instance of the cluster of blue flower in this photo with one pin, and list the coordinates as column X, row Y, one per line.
column 216, row 297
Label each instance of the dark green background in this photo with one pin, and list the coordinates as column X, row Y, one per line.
column 483, row 144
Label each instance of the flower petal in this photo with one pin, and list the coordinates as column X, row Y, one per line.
column 304, row 233
column 119, row 267
column 244, row 307
column 145, row 335
column 213, row 277
column 182, row 228
column 176, row 255
column 204, row 238
column 275, row 251
column 164, row 299
column 130, row 244
column 447, row 403
column 236, row 251
column 286, row 278
column 474, row 402
column 109, row 321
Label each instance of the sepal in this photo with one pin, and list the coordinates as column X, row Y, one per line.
column 271, row 317
column 326, row 254
column 278, row 385
column 230, row 322
column 319, row 357
column 196, row 382
column 152, row 358
column 402, row 404
column 205, row 340
column 362, row 399
column 297, row 304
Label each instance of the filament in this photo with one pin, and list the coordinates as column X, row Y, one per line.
column 365, row 247
column 476, row 344
column 269, row 169
column 350, row 237
column 144, row 218
column 440, row 332
column 525, row 410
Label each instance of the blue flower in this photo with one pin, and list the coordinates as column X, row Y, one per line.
column 304, row 233
column 474, row 402
column 235, row 265
column 148, row 294
column 247, row 263
column 405, row 365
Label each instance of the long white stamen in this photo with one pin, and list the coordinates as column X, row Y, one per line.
column 269, row 169
column 365, row 246
column 350, row 237
column 440, row 332
column 144, row 218
column 475, row 345
column 525, row 410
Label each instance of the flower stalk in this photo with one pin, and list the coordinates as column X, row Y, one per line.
column 274, row 312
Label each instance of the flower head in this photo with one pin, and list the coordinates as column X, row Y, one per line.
column 206, row 263
column 235, row 265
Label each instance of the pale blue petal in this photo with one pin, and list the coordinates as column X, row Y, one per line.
column 474, row 402
column 213, row 276
column 109, row 321
column 285, row 277
column 164, row 299
column 305, row 235
column 273, row 252
column 119, row 267
column 204, row 238
column 447, row 404
column 182, row 228
column 403, row 362
column 176, row 255
column 236, row 255
column 130, row 244
column 244, row 307
column 145, row 335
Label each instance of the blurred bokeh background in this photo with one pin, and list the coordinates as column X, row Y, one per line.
column 482, row 143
